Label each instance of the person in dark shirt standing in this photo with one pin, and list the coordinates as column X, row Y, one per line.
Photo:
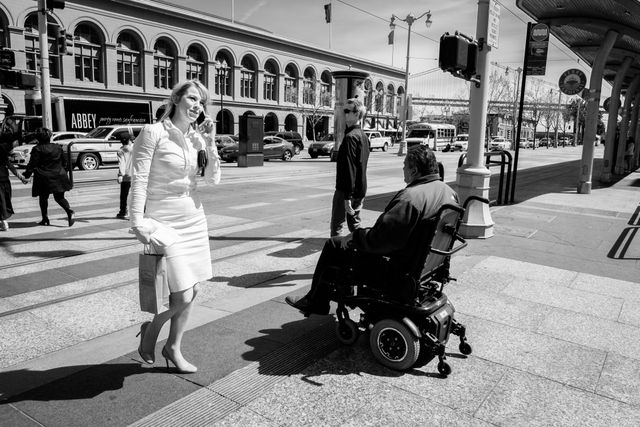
column 351, row 171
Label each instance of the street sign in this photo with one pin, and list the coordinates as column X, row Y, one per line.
column 572, row 81
column 493, row 30
column 537, row 46
column 7, row 58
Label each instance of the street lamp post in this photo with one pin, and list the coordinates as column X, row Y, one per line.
column 220, row 66
column 410, row 19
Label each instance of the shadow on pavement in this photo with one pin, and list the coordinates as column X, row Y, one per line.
column 76, row 382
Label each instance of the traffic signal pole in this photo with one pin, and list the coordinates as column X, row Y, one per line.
column 45, row 88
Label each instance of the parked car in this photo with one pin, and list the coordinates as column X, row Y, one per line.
column 293, row 137
column 322, row 147
column 499, row 143
column 273, row 148
column 461, row 143
column 224, row 140
column 377, row 141
column 543, row 142
column 20, row 155
column 99, row 146
column 565, row 140
column 525, row 143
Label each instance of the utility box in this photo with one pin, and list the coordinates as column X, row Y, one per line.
column 458, row 55
column 250, row 145
column 349, row 84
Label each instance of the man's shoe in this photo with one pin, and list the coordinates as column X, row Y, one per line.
column 121, row 216
column 306, row 306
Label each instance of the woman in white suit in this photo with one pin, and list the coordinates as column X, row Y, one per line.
column 165, row 165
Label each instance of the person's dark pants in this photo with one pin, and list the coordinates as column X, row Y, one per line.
column 125, row 186
column 59, row 198
column 332, row 266
column 339, row 214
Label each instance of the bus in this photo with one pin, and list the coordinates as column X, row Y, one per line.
column 437, row 136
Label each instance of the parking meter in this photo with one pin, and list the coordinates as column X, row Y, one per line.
column 349, row 84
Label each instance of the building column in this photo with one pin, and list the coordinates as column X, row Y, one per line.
column 210, row 69
column 259, row 86
column 281, row 92
column 235, row 87
column 618, row 167
column 147, row 71
column 473, row 177
column 612, row 123
column 110, row 69
column 180, row 70
column 591, row 115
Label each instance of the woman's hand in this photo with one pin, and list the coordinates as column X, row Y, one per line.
column 207, row 125
column 143, row 232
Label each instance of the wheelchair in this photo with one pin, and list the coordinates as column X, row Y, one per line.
column 408, row 333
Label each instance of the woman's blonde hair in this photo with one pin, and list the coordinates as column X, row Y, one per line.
column 179, row 90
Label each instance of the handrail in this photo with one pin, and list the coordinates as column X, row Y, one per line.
column 504, row 181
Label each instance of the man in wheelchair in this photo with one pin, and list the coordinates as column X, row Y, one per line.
column 378, row 254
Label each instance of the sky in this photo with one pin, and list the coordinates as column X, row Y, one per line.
column 360, row 28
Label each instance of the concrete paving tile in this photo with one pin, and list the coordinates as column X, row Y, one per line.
column 70, row 289
column 319, row 396
column 607, row 286
column 92, row 315
column 25, row 336
column 620, row 379
column 538, row 354
column 243, row 417
column 593, row 332
column 524, row 269
column 484, row 278
column 498, row 307
column 630, row 313
column 6, row 304
column 524, row 399
column 534, row 290
column 32, row 282
column 10, row 416
column 398, row 407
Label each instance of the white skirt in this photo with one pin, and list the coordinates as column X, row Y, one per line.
column 189, row 259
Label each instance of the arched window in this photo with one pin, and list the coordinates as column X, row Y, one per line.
column 270, row 87
column 291, row 84
column 379, row 97
column 223, row 74
column 128, row 57
column 88, row 54
column 309, row 87
column 32, row 45
column 248, row 78
column 195, row 64
column 325, row 89
column 390, row 98
column 163, row 64
column 368, row 95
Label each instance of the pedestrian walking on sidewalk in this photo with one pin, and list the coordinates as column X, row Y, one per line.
column 7, row 138
column 165, row 165
column 124, row 173
column 351, row 171
column 47, row 165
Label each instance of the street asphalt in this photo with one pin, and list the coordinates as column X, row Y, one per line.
column 551, row 304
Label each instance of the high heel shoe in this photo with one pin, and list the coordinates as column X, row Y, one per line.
column 146, row 358
column 70, row 217
column 45, row 221
column 187, row 369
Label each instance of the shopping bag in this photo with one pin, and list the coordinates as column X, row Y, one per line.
column 153, row 283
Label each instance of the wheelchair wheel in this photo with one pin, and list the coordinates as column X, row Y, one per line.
column 347, row 331
column 444, row 368
column 393, row 344
column 465, row 348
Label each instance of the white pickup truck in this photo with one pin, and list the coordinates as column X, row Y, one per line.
column 376, row 140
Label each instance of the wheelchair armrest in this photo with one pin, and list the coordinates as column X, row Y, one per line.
column 457, row 237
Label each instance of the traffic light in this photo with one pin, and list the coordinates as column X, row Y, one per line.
column 458, row 55
column 60, row 34
column 55, row 4
column 68, row 49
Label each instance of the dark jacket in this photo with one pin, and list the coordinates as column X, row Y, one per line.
column 47, row 165
column 351, row 168
column 398, row 231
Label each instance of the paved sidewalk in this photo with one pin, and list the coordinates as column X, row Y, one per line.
column 551, row 306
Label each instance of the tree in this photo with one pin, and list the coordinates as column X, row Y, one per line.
column 499, row 98
column 535, row 96
column 315, row 107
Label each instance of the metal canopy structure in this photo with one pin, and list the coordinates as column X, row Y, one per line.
column 605, row 34
column 581, row 25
